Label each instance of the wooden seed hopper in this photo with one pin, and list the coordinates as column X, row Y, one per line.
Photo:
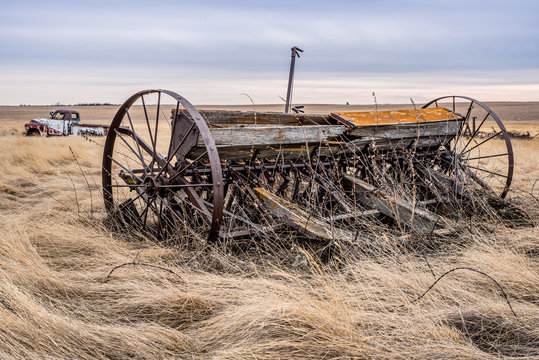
column 231, row 174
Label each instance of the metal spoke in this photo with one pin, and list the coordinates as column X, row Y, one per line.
column 186, row 185
column 148, row 203
column 133, row 200
column 164, row 117
column 487, row 156
column 487, row 171
column 170, row 208
column 482, row 142
column 477, row 179
column 460, row 130
column 156, row 124
column 203, row 210
column 475, row 132
column 234, row 216
column 173, row 130
column 175, row 150
column 136, row 138
column 159, row 216
column 144, row 145
column 187, row 166
column 467, row 117
column 146, row 116
column 166, row 220
column 138, row 185
column 123, row 167
column 129, row 146
column 179, row 219
column 125, row 155
column 469, row 111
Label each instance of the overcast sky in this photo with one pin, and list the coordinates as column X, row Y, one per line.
column 212, row 51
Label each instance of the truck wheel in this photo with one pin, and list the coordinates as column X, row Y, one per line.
column 33, row 132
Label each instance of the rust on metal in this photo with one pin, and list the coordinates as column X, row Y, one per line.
column 63, row 123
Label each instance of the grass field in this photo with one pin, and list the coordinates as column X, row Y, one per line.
column 57, row 300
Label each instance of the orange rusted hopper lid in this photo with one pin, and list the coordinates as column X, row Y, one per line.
column 355, row 119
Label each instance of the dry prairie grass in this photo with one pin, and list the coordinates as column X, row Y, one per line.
column 57, row 302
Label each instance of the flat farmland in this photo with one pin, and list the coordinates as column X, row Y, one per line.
column 73, row 285
column 517, row 116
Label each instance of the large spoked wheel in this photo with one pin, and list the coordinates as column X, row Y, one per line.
column 149, row 167
column 481, row 151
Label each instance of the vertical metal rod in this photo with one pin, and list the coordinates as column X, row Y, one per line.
column 291, row 77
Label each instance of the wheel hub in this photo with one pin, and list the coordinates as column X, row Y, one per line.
column 153, row 185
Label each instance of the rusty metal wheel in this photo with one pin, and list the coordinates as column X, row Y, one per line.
column 481, row 153
column 149, row 172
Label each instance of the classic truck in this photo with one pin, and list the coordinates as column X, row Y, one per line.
column 63, row 122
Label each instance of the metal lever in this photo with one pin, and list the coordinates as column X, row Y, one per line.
column 295, row 52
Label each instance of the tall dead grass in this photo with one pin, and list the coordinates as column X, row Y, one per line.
column 56, row 300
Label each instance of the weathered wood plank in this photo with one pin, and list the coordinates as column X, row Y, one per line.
column 290, row 152
column 289, row 134
column 449, row 185
column 419, row 220
column 275, row 135
column 330, row 148
column 357, row 214
column 327, row 148
column 224, row 117
column 249, row 232
column 383, row 144
column 408, row 130
column 300, row 220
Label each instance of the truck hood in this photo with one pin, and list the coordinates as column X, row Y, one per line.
column 41, row 120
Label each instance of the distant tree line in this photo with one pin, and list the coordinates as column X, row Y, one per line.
column 92, row 104
column 79, row 104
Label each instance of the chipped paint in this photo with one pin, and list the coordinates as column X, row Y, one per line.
column 67, row 125
column 396, row 116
